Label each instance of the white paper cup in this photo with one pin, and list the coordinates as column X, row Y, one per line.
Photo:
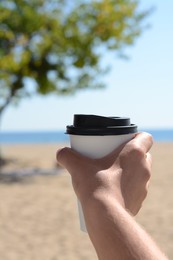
column 93, row 140
column 95, row 147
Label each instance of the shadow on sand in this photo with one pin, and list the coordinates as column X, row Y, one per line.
column 13, row 170
column 24, row 175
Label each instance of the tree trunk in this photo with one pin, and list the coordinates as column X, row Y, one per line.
column 15, row 87
column 3, row 161
column 1, row 158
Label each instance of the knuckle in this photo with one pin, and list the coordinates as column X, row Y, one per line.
column 137, row 151
column 146, row 175
column 150, row 138
column 133, row 152
column 149, row 156
column 145, row 192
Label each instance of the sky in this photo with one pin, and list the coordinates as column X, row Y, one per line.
column 140, row 88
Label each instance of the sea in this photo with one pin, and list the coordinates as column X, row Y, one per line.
column 159, row 135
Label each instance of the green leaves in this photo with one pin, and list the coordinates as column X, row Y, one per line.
column 59, row 44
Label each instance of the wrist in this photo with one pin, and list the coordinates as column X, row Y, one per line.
column 100, row 204
column 101, row 198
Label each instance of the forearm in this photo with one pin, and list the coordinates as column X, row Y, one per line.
column 116, row 235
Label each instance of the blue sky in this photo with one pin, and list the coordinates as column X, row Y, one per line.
column 141, row 88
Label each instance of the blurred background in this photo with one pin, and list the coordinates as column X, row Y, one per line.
column 61, row 57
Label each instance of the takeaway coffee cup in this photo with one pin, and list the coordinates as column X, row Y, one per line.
column 96, row 136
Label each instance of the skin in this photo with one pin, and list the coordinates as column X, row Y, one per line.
column 111, row 191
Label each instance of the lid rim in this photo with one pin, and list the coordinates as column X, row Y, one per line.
column 116, row 130
column 85, row 124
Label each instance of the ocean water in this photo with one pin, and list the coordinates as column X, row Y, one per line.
column 33, row 137
column 159, row 135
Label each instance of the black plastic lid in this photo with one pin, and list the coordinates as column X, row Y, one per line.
column 100, row 125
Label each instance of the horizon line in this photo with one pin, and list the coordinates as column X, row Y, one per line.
column 63, row 130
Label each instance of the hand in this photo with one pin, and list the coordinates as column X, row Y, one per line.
column 121, row 176
column 107, row 188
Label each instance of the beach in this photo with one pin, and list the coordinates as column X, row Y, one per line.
column 38, row 214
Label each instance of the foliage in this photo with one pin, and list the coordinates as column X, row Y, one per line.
column 58, row 44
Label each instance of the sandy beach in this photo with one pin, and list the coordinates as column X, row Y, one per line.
column 38, row 214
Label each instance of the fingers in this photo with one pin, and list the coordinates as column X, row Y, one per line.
column 141, row 143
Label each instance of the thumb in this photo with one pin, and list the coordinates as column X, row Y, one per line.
column 69, row 159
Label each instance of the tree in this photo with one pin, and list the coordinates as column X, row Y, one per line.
column 58, row 44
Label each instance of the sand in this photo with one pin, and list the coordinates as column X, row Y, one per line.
column 38, row 215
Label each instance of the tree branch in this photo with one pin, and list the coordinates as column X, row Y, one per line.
column 8, row 100
column 15, row 87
